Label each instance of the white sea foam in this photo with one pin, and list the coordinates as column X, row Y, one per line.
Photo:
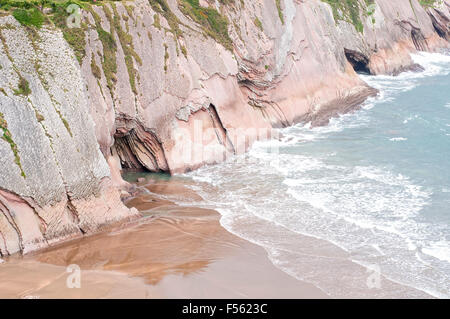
column 332, row 202
column 439, row 249
column 302, row 133
column 434, row 64
column 372, row 212
column 200, row 178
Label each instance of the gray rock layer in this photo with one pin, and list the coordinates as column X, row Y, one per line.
column 178, row 99
column 55, row 182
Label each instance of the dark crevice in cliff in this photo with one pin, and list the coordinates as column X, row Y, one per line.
column 221, row 131
column 4, row 251
column 281, row 116
column 418, row 39
column 359, row 61
column 440, row 23
column 9, row 215
column 138, row 148
column 75, row 215
column 3, row 247
column 70, row 207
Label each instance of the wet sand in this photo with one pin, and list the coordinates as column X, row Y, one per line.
column 173, row 252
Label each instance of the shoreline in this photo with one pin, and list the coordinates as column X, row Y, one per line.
column 157, row 213
column 325, row 251
column 173, row 252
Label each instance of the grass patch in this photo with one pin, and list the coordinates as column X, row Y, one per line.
column 66, row 124
column 349, row 11
column 23, row 87
column 429, row 3
column 258, row 23
column 94, row 68
column 161, row 7
column 29, row 13
column 213, row 23
column 6, row 136
column 75, row 37
column 29, row 17
column 156, row 21
column 166, row 57
column 109, row 63
column 126, row 42
column 280, row 12
column 129, row 10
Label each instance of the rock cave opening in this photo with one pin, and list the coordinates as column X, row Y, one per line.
column 359, row 61
column 139, row 150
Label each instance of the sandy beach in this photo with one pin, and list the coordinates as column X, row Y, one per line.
column 172, row 252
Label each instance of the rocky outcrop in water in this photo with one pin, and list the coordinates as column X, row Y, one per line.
column 170, row 85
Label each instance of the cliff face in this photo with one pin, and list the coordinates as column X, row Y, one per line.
column 186, row 95
column 55, row 181
column 169, row 85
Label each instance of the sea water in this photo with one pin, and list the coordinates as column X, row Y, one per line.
column 366, row 196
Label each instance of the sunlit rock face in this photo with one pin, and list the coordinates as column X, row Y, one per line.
column 158, row 86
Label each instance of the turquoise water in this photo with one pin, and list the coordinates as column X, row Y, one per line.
column 370, row 193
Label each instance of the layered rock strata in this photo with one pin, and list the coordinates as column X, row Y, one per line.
column 170, row 85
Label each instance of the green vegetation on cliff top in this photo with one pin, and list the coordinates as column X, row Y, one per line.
column 31, row 13
column 36, row 13
column 29, row 17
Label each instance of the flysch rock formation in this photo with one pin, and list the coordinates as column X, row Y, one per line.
column 55, row 182
column 157, row 88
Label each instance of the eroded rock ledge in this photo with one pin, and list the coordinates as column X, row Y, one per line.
column 153, row 84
